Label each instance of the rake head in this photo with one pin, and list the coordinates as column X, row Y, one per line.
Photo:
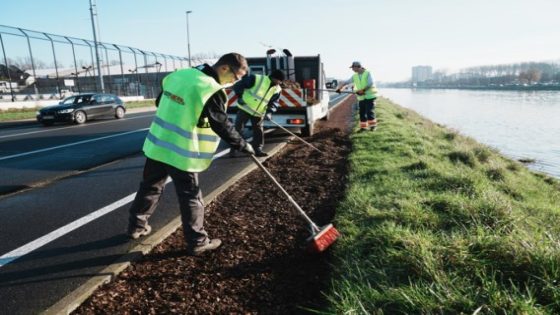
column 321, row 240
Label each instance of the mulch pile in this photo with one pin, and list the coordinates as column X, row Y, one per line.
column 262, row 266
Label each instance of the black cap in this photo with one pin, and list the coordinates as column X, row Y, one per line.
column 356, row 64
column 278, row 75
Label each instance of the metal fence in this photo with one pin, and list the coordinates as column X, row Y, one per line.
column 37, row 65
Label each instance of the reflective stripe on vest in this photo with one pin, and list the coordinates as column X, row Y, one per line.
column 259, row 95
column 184, row 133
column 361, row 82
column 172, row 147
column 174, row 137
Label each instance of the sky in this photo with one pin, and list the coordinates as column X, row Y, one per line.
column 387, row 36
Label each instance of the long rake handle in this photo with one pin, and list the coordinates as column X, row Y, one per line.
column 334, row 91
column 300, row 210
column 293, row 134
column 286, row 130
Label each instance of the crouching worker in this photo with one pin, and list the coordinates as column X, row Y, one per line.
column 190, row 120
column 258, row 97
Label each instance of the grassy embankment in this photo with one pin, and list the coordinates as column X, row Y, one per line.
column 29, row 113
column 435, row 222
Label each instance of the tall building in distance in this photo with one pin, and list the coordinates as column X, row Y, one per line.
column 421, row 73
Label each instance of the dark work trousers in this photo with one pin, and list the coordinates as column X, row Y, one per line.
column 367, row 110
column 257, row 123
column 188, row 192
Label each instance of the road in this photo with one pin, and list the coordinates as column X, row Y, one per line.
column 64, row 197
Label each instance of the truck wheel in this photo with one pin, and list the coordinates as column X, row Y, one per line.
column 307, row 131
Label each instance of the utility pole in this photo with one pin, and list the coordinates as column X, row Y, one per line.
column 188, row 38
column 93, row 11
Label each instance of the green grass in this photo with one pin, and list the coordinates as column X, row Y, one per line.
column 436, row 223
column 29, row 113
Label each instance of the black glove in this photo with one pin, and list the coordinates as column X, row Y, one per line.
column 248, row 149
column 268, row 116
column 338, row 91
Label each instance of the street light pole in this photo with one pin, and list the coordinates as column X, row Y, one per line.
column 94, row 13
column 188, row 38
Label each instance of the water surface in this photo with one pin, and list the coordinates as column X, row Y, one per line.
column 520, row 124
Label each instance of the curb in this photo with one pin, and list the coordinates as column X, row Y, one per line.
column 74, row 299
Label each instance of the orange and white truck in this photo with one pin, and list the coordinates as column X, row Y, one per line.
column 304, row 98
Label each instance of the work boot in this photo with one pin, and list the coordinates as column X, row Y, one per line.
column 260, row 153
column 199, row 249
column 135, row 233
column 372, row 128
column 362, row 130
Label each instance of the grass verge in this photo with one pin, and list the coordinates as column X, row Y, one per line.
column 436, row 223
column 29, row 113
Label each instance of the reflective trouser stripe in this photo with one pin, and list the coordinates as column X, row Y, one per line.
column 363, row 124
column 172, row 147
column 372, row 122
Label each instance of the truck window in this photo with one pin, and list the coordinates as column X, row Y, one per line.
column 306, row 73
column 256, row 69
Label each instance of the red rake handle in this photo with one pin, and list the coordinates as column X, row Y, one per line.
column 300, row 210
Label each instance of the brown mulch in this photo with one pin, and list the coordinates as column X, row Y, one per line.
column 262, row 266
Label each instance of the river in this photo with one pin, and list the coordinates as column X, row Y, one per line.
column 519, row 124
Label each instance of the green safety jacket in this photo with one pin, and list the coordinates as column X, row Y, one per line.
column 259, row 95
column 176, row 136
column 359, row 84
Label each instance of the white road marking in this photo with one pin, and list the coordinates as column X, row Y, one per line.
column 31, row 246
column 56, row 129
column 69, row 145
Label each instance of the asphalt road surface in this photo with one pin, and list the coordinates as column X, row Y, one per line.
column 65, row 191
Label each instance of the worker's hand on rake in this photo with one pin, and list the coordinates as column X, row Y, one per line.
column 360, row 92
column 268, row 116
column 338, row 91
column 248, row 149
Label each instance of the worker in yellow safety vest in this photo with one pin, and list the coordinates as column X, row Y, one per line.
column 258, row 97
column 190, row 120
column 366, row 91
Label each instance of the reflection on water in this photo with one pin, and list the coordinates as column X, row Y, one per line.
column 519, row 124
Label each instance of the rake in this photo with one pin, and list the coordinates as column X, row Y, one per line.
column 321, row 237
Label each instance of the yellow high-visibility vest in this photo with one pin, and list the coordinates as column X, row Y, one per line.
column 360, row 83
column 259, row 95
column 177, row 137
